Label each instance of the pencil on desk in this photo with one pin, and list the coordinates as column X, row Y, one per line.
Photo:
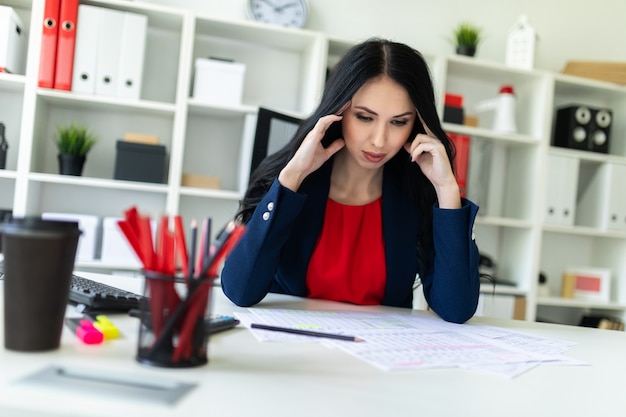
column 305, row 332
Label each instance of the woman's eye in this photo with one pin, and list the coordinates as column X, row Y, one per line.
column 399, row 122
column 363, row 118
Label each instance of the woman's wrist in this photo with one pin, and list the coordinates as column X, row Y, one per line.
column 289, row 179
column 449, row 196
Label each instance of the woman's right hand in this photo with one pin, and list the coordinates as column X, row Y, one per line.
column 311, row 154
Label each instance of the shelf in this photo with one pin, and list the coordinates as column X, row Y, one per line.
column 504, row 222
column 20, row 4
column 101, row 266
column 570, row 84
column 6, row 173
column 12, row 82
column 98, row 183
column 587, row 156
column 509, row 138
column 573, row 303
column 220, row 194
column 103, row 103
column 584, row 231
column 256, row 33
column 159, row 17
column 199, row 108
column 488, row 289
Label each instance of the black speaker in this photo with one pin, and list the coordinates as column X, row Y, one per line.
column 583, row 127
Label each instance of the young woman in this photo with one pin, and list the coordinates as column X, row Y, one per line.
column 362, row 203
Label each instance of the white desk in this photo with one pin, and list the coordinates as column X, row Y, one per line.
column 248, row 378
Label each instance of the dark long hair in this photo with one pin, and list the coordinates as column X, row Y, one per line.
column 363, row 62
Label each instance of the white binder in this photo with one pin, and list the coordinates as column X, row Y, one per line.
column 85, row 50
column 602, row 203
column 12, row 41
column 108, row 51
column 132, row 55
column 561, row 186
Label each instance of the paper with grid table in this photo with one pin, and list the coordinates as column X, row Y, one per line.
column 394, row 342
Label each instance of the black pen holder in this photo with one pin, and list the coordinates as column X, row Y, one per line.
column 173, row 314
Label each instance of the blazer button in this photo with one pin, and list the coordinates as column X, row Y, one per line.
column 270, row 206
column 266, row 215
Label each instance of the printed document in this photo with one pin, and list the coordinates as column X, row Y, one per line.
column 395, row 342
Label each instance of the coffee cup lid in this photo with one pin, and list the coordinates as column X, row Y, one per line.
column 36, row 223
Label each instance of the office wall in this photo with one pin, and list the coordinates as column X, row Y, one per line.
column 567, row 29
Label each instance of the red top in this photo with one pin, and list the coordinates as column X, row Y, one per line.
column 348, row 263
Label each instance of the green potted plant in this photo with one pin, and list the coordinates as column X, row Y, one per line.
column 466, row 37
column 73, row 142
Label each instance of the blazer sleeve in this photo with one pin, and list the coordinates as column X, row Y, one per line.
column 250, row 267
column 452, row 285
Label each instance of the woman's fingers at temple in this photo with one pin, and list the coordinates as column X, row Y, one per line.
column 311, row 154
column 424, row 125
column 344, row 108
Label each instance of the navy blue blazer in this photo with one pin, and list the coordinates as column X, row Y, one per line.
column 274, row 253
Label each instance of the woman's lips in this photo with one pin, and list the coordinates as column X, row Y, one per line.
column 374, row 157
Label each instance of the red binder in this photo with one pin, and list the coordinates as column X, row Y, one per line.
column 49, row 43
column 461, row 160
column 66, row 43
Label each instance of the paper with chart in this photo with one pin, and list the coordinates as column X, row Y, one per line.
column 398, row 341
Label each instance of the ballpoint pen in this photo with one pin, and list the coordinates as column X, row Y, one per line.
column 305, row 332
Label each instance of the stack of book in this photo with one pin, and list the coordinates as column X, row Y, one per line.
column 602, row 322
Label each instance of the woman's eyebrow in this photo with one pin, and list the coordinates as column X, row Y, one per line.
column 367, row 109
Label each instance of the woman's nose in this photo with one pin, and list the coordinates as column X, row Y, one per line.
column 379, row 136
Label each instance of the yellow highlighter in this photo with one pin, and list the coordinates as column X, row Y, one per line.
column 107, row 328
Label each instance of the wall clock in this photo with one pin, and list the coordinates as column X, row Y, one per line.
column 288, row 13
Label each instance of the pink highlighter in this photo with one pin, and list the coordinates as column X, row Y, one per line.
column 85, row 331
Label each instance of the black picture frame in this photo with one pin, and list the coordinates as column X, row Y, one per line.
column 273, row 131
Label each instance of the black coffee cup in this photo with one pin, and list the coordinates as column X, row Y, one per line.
column 38, row 265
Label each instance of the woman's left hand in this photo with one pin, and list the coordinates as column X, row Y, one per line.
column 430, row 154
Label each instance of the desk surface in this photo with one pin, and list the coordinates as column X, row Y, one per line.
column 247, row 378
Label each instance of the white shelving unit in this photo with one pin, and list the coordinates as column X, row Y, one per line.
column 285, row 71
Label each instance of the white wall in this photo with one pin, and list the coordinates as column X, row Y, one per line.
column 568, row 29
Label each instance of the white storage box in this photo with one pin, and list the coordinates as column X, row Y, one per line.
column 219, row 82
column 88, row 226
column 12, row 42
column 115, row 248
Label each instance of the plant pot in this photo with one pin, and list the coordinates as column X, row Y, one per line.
column 466, row 50
column 71, row 164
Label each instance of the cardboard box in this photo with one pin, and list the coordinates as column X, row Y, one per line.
column 614, row 72
column 88, row 226
column 12, row 42
column 219, row 82
column 201, row 181
column 469, row 120
column 141, row 138
column 139, row 162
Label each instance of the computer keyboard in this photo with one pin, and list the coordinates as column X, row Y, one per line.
column 98, row 296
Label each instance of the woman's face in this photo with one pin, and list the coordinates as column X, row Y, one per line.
column 378, row 122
